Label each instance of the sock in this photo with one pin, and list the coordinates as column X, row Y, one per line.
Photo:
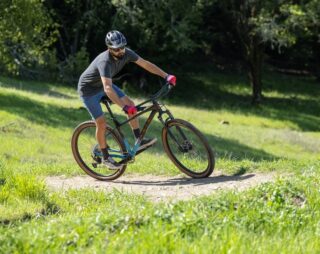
column 136, row 133
column 105, row 153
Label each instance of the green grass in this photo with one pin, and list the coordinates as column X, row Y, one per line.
column 273, row 136
column 280, row 217
column 36, row 123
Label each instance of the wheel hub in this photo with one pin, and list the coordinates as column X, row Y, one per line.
column 186, row 146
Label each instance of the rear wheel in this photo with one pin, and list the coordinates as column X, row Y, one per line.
column 87, row 153
column 188, row 148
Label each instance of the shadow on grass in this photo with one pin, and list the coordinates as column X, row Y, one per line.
column 49, row 209
column 214, row 96
column 226, row 91
column 290, row 84
column 222, row 147
column 51, row 115
column 234, row 150
column 190, row 181
column 2, row 181
column 41, row 113
column 41, row 88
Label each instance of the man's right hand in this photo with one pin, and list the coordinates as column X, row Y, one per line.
column 130, row 110
column 171, row 79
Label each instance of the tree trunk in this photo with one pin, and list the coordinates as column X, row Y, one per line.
column 315, row 67
column 251, row 45
column 255, row 61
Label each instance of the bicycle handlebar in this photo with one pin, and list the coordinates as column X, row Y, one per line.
column 164, row 90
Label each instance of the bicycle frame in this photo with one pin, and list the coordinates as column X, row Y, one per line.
column 133, row 151
column 174, row 138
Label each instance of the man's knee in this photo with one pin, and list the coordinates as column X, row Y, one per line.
column 128, row 101
column 131, row 103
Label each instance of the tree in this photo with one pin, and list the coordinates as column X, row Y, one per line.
column 304, row 22
column 312, row 10
column 80, row 23
column 156, row 26
column 254, row 24
column 27, row 32
column 81, row 27
column 164, row 27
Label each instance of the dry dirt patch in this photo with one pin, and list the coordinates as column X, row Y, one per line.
column 161, row 188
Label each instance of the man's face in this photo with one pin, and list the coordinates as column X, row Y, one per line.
column 117, row 53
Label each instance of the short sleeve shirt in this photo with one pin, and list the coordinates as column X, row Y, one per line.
column 104, row 65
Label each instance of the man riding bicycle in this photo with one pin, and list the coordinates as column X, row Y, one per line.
column 96, row 82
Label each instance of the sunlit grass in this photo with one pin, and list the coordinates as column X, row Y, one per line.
column 258, row 220
column 36, row 123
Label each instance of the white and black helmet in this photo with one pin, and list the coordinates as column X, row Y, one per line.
column 115, row 39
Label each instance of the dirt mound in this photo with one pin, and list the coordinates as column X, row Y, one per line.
column 160, row 188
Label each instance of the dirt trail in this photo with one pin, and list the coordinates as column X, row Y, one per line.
column 161, row 188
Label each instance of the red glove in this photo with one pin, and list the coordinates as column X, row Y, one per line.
column 171, row 79
column 130, row 110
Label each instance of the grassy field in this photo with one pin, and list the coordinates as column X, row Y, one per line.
column 283, row 135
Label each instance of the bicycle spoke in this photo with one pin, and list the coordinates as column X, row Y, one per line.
column 90, row 153
column 188, row 149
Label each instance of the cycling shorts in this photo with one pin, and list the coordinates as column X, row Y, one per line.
column 92, row 103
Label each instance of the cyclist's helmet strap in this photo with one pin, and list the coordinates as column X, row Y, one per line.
column 115, row 39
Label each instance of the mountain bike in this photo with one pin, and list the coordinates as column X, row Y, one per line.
column 185, row 145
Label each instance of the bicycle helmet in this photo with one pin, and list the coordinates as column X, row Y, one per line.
column 115, row 39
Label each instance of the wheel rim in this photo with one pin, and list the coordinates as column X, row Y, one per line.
column 188, row 149
column 90, row 154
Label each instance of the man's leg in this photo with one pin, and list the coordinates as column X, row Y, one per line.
column 127, row 101
column 101, row 138
column 94, row 108
column 135, row 122
column 101, row 131
column 135, row 126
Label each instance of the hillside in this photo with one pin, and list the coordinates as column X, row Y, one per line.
column 280, row 136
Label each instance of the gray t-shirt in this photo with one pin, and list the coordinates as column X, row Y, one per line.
column 104, row 65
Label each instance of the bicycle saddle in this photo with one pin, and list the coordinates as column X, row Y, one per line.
column 105, row 99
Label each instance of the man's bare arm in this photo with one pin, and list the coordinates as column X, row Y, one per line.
column 150, row 67
column 107, row 86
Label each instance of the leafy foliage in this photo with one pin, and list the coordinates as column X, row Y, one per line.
column 27, row 32
column 59, row 38
column 254, row 25
column 160, row 26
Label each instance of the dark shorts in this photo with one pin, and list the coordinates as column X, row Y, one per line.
column 92, row 103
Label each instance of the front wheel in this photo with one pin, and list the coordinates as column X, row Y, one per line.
column 188, row 149
column 87, row 153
